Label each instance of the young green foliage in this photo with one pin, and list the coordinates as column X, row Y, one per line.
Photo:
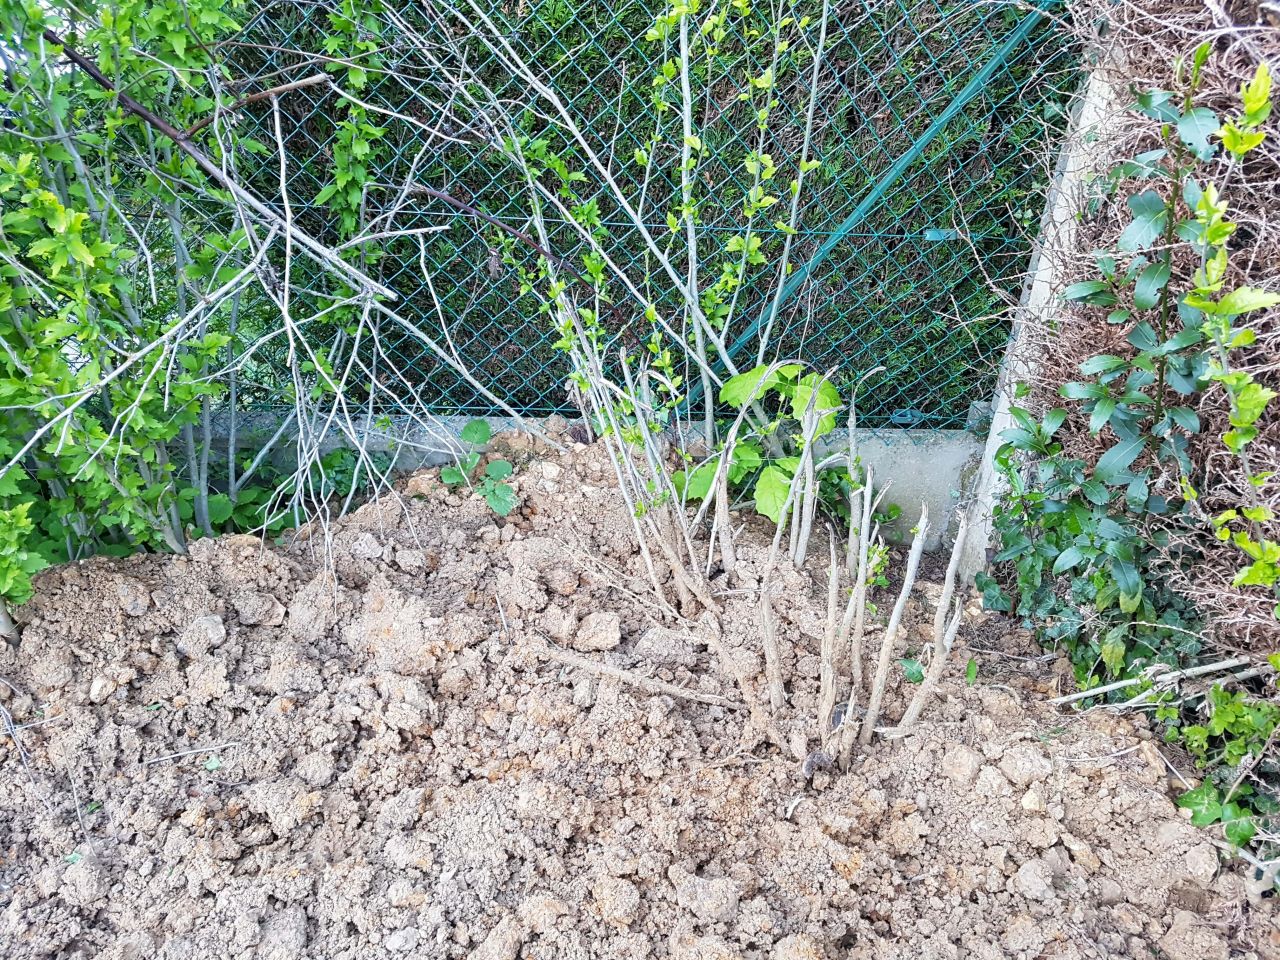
column 764, row 461
column 500, row 496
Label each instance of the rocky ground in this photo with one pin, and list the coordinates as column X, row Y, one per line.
column 237, row 754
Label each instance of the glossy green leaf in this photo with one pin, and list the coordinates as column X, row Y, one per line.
column 1157, row 104
column 1238, row 824
column 1053, row 421
column 1150, row 215
column 1082, row 391
column 1245, row 300
column 1102, row 363
column 1205, row 804
column 1186, row 418
column 1146, row 292
column 1116, row 460
column 1195, row 127
column 1093, row 292
column 1127, row 578
column 1102, row 411
column 1067, row 559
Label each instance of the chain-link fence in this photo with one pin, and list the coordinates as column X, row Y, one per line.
column 933, row 124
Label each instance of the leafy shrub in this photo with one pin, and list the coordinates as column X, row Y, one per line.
column 763, row 461
column 1085, row 547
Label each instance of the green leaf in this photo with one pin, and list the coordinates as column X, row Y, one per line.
column 828, row 399
column 1146, row 292
column 501, row 498
column 1102, row 411
column 1053, row 421
column 9, row 483
column 1157, row 104
column 1251, row 400
column 1093, row 292
column 1067, row 559
column 1112, row 653
column 1245, row 300
column 498, row 470
column 912, row 669
column 1144, row 336
column 971, row 671
column 1198, row 61
column 1095, row 492
column 696, row 485
column 747, row 457
column 1082, row 391
column 1143, row 165
column 1186, row 418
column 213, row 763
column 1150, row 215
column 76, row 247
column 1256, row 95
column 1113, row 463
column 753, row 384
column 1102, row 363
column 1127, row 579
column 1239, row 142
column 452, row 476
column 771, row 491
column 1195, row 127
column 476, row 433
column 1238, row 824
column 1204, row 803
column 220, row 509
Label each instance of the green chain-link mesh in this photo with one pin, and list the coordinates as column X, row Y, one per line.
column 934, row 124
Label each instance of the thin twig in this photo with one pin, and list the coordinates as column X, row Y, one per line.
column 1156, row 674
column 648, row 684
column 944, row 633
column 189, row 753
column 891, row 631
column 310, row 81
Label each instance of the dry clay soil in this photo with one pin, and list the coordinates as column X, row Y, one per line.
column 236, row 754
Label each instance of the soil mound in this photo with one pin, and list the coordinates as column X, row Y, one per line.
column 239, row 754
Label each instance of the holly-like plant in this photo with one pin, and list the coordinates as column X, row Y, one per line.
column 1090, row 524
column 1081, row 541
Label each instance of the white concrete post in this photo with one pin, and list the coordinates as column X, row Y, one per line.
column 1083, row 154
